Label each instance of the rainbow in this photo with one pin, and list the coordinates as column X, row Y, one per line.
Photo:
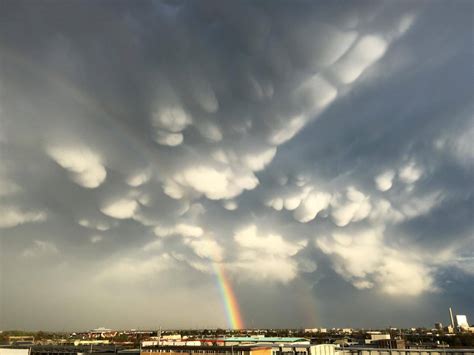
column 234, row 318
column 231, row 306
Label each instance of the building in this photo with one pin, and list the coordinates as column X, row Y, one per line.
column 376, row 337
column 79, row 342
column 389, row 343
column 264, row 340
column 208, row 350
column 169, row 339
column 374, row 351
column 149, row 343
column 451, row 317
column 438, row 326
column 21, row 339
column 250, row 349
column 461, row 321
column 102, row 333
column 10, row 351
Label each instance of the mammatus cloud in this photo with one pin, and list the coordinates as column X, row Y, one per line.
column 214, row 183
column 409, row 173
column 120, row 209
column 352, row 207
column 185, row 230
column 84, row 165
column 365, row 260
column 169, row 122
column 292, row 144
column 11, row 216
column 384, row 181
column 40, row 248
column 313, row 203
column 266, row 256
column 366, row 51
column 139, row 178
column 206, row 248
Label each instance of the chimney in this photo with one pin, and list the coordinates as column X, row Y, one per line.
column 451, row 316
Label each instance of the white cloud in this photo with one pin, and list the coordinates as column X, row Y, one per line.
column 227, row 120
column 336, row 44
column 204, row 95
column 210, row 131
column 363, row 284
column 462, row 146
column 314, row 203
column 84, row 165
column 173, row 119
column 410, row 173
column 364, row 259
column 214, row 184
column 96, row 238
column 398, row 276
column 306, row 265
column 269, row 268
column 405, row 23
column 354, row 205
column 145, row 199
column 292, row 126
column 101, row 226
column 265, row 256
column 173, row 189
column 154, row 246
column 316, row 93
column 354, row 208
column 258, row 161
column 230, row 205
column 384, row 181
column 276, row 203
column 206, row 248
column 167, row 138
column 384, row 212
column 418, row 206
column 459, row 144
column 292, row 202
column 182, row 229
column 365, row 52
column 40, row 248
column 121, row 208
column 274, row 244
column 11, row 216
column 139, row 179
column 465, row 263
column 127, row 270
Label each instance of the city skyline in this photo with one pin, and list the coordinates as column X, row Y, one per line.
column 287, row 164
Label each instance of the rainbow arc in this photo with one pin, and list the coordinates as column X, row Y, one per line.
column 231, row 305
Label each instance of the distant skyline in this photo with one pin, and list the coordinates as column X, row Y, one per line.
column 222, row 164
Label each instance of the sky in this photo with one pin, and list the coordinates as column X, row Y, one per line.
column 319, row 153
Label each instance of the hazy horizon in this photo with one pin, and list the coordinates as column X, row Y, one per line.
column 267, row 164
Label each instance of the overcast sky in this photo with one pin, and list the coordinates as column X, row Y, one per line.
column 320, row 152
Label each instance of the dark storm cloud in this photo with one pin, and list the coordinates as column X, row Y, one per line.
column 319, row 151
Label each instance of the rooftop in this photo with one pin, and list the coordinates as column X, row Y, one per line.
column 266, row 339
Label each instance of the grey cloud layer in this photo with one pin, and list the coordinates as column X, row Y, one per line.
column 301, row 145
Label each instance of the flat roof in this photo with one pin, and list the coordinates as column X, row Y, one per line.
column 266, row 339
column 204, row 347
